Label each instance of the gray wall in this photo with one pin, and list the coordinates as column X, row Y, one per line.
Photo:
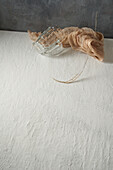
column 37, row 15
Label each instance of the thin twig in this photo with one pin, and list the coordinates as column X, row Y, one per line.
column 96, row 17
column 73, row 79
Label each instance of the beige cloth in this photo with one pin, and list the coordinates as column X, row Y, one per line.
column 81, row 39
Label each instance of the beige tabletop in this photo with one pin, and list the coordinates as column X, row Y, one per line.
column 45, row 125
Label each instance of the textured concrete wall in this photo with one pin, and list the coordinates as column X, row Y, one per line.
column 39, row 14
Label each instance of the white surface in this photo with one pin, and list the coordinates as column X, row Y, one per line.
column 45, row 125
